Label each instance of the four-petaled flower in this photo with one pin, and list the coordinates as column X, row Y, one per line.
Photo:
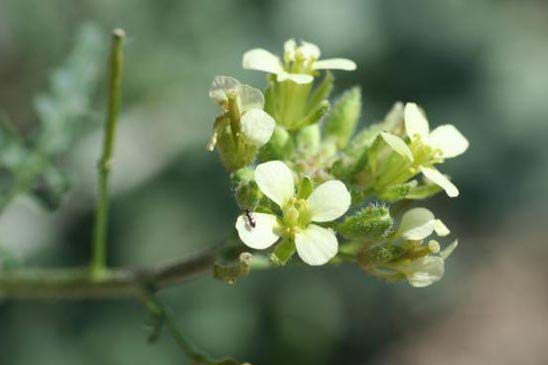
column 416, row 225
column 299, row 62
column 315, row 245
column 446, row 142
column 256, row 125
column 427, row 148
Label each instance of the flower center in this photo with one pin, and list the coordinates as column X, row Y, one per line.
column 296, row 215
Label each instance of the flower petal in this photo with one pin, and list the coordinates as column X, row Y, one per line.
column 249, row 98
column 275, row 180
column 296, row 78
column 329, row 201
column 290, row 47
column 220, row 86
column 448, row 250
column 257, row 126
column 425, row 271
column 335, row 64
column 417, row 224
column 440, row 228
column 415, row 121
column 316, row 245
column 449, row 140
column 441, row 180
column 398, row 145
column 261, row 60
column 309, row 50
column 263, row 235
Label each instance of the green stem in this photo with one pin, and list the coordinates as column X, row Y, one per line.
column 98, row 261
column 76, row 283
column 162, row 315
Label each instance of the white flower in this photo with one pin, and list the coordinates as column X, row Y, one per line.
column 315, row 245
column 419, row 223
column 256, row 124
column 416, row 225
column 299, row 62
column 446, row 141
column 427, row 270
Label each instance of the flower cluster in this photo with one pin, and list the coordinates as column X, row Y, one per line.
column 308, row 182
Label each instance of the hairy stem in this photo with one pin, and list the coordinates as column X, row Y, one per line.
column 98, row 261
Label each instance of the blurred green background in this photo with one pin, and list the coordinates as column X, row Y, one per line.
column 481, row 65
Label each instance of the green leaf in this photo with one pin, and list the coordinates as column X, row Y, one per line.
column 344, row 117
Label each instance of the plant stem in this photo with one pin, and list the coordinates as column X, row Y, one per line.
column 98, row 261
column 162, row 315
column 76, row 283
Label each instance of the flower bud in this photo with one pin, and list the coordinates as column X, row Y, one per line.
column 344, row 117
column 246, row 191
column 371, row 223
column 280, row 146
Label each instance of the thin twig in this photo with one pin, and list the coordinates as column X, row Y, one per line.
column 98, row 261
column 163, row 316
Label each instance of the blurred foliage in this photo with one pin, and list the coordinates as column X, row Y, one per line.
column 480, row 66
column 33, row 165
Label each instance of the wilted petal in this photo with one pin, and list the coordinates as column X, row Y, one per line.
column 220, row 86
column 398, row 145
column 415, row 121
column 417, row 224
column 249, row 98
column 448, row 250
column 257, row 126
column 297, row 78
column 441, row 180
column 275, row 180
column 335, row 64
column 316, row 245
column 309, row 50
column 261, row 60
column 449, row 140
column 263, row 235
column 440, row 228
column 425, row 271
column 329, row 201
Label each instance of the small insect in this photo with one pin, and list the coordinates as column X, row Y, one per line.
column 250, row 218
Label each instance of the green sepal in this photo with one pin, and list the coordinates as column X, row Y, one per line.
column 283, row 252
column 246, row 191
column 344, row 117
column 306, row 186
column 363, row 140
column 234, row 149
column 423, row 191
column 314, row 116
column 321, row 92
column 397, row 192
